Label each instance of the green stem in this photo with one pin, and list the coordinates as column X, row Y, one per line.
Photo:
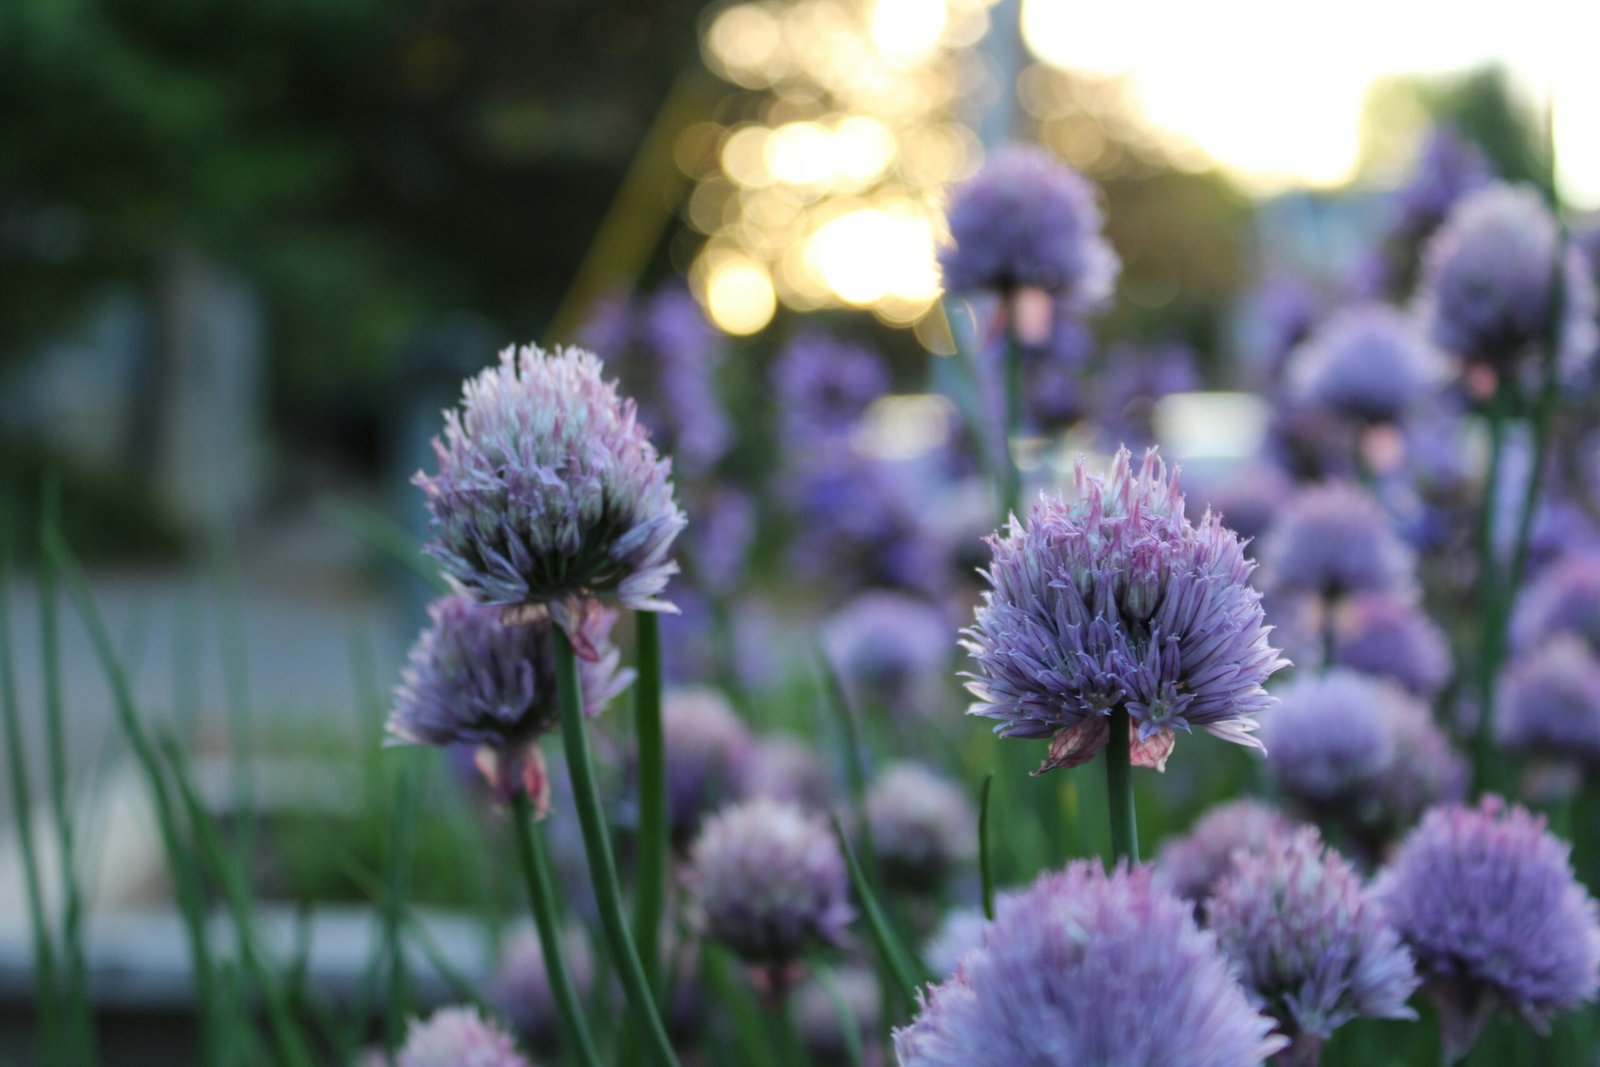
column 903, row 967
column 1329, row 635
column 985, row 860
column 1011, row 499
column 650, row 891
column 541, row 897
column 1490, row 591
column 1119, row 789
column 602, row 865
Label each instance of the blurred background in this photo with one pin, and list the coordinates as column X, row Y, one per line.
column 249, row 250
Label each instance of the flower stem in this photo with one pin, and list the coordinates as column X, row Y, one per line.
column 1119, row 789
column 541, row 897
column 985, row 856
column 597, row 845
column 1329, row 634
column 1011, row 496
column 650, row 892
column 1491, row 593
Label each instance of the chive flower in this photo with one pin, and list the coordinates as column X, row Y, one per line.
column 1190, row 865
column 923, row 826
column 1367, row 363
column 1549, row 703
column 1331, row 541
column 457, row 1037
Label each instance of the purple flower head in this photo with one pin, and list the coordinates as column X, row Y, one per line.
column 891, row 652
column 1564, row 598
column 1367, row 363
column 1115, row 600
column 960, row 931
column 718, row 545
column 1550, row 703
column 1246, row 499
column 1028, row 220
column 1393, row 638
column 471, row 680
column 457, row 1037
column 1190, row 865
column 1074, row 970
column 820, row 1022
column 823, row 385
column 520, row 988
column 1487, row 282
column 1309, row 942
column 667, row 355
column 1448, row 168
column 1331, row 541
column 1330, row 737
column 769, row 882
column 1486, row 900
column 549, row 491
column 1134, row 378
column 1426, row 771
column 784, row 768
column 923, row 826
column 707, row 747
column 1275, row 317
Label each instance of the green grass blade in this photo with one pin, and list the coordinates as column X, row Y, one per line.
column 985, row 859
column 387, row 536
column 895, row 955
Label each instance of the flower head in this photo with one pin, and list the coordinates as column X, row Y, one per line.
column 1331, row 541
column 549, row 491
column 1488, row 281
column 707, row 748
column 782, row 767
column 472, row 680
column 1550, row 703
column 1564, row 598
column 1367, row 363
column 769, row 882
column 1448, row 167
column 960, row 931
column 457, row 1037
column 1073, row 971
column 520, row 988
column 1115, row 600
column 923, row 827
column 1027, row 219
column 1486, row 899
column 1330, row 737
column 1190, row 865
column 1426, row 771
column 1275, row 317
column 1296, row 918
column 823, row 386
column 1391, row 637
column 890, row 650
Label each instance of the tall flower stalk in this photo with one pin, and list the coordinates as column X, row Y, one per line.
column 654, row 828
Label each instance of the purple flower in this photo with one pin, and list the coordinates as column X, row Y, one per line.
column 1133, row 379
column 520, row 988
column 784, row 768
column 1274, row 318
column 707, row 746
column 1550, row 703
column 768, row 882
column 1331, row 541
column 457, row 1037
column 1075, row 970
column 1245, row 499
column 960, row 931
column 823, row 385
column 923, row 826
column 472, row 680
column 1486, row 899
column 1564, row 598
column 549, row 491
column 1448, row 167
column 1028, row 220
column 1297, row 919
column 1115, row 600
column 1425, row 771
column 1330, row 737
column 667, row 355
column 719, row 543
column 1393, row 638
column 1487, row 282
column 891, row 652
column 1367, row 363
column 1190, row 865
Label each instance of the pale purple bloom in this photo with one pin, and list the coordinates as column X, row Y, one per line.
column 923, row 826
column 1426, row 770
column 1309, row 942
column 719, row 538
column 457, row 1037
column 1274, row 318
column 891, row 652
column 1393, row 638
column 1331, row 541
column 549, row 491
column 823, row 385
column 1190, row 865
column 768, row 881
column 1115, row 600
column 1488, row 282
column 520, row 987
column 1132, row 379
column 1090, row 968
column 1245, row 499
column 1486, row 899
column 1330, row 737
column 1448, row 167
column 960, row 931
column 782, row 767
column 707, row 746
column 471, row 680
column 1549, row 703
column 666, row 354
column 1367, row 363
column 821, row 1025
column 1565, row 598
column 1028, row 220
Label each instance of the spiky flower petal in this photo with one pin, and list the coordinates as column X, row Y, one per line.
column 472, row 680
column 1090, row 968
column 1486, row 900
column 1115, row 600
column 549, row 491
column 457, row 1037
